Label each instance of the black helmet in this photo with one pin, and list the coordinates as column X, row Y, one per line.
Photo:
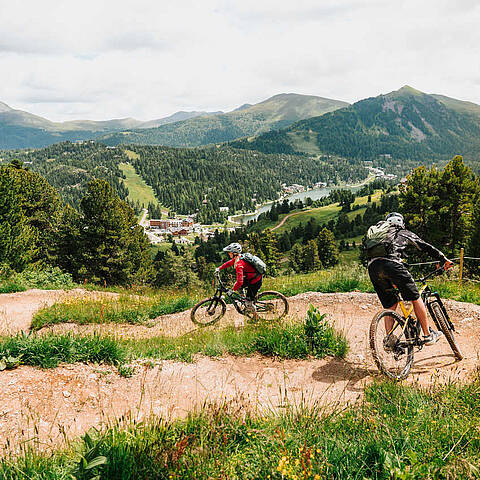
column 396, row 219
column 233, row 247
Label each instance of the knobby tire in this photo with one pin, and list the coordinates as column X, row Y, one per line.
column 199, row 315
column 442, row 324
column 386, row 361
column 281, row 306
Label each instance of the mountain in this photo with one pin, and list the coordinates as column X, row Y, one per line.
column 20, row 129
column 176, row 117
column 405, row 125
column 276, row 112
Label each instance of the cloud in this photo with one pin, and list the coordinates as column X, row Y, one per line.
column 113, row 59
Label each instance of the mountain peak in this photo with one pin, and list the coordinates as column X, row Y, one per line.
column 4, row 108
column 408, row 90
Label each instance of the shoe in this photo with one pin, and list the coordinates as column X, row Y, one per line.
column 433, row 337
column 389, row 342
column 249, row 306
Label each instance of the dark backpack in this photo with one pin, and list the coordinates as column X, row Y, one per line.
column 257, row 263
column 378, row 241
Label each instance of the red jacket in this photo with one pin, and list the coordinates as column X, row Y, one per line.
column 244, row 270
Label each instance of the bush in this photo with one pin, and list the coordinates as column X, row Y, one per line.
column 50, row 278
column 11, row 287
column 321, row 338
column 315, row 337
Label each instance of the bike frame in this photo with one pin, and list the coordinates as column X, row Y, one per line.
column 237, row 299
column 425, row 293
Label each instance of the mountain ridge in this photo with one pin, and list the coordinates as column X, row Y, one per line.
column 275, row 112
column 405, row 124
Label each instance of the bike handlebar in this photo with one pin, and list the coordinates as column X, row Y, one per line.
column 224, row 288
column 437, row 271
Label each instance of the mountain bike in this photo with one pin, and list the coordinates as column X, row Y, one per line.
column 268, row 305
column 393, row 349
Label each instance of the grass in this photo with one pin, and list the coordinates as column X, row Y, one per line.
column 315, row 337
column 124, row 309
column 324, row 214
column 345, row 277
column 138, row 190
column 396, row 432
column 337, row 279
column 49, row 351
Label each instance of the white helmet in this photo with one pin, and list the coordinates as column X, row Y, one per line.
column 396, row 219
column 234, row 248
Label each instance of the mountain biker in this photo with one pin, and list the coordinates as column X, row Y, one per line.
column 247, row 275
column 388, row 271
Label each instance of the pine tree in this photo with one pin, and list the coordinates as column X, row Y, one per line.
column 268, row 251
column 112, row 246
column 176, row 270
column 31, row 211
column 17, row 238
column 311, row 261
column 438, row 204
column 473, row 246
column 457, row 190
column 327, row 248
column 296, row 258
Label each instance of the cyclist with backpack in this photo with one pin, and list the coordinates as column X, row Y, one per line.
column 385, row 245
column 249, row 269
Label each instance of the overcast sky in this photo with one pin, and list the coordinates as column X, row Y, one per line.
column 146, row 59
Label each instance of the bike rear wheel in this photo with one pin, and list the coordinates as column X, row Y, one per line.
column 394, row 359
column 270, row 305
column 442, row 324
column 208, row 311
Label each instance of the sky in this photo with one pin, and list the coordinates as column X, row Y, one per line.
column 147, row 59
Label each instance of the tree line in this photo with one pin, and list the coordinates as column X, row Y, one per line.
column 100, row 241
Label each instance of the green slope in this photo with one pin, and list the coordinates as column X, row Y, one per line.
column 406, row 124
column 276, row 112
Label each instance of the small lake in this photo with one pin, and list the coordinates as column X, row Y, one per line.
column 314, row 194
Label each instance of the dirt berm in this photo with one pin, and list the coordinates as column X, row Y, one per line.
column 47, row 406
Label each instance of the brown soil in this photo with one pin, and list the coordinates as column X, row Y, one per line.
column 47, row 406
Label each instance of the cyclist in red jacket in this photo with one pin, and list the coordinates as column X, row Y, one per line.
column 247, row 276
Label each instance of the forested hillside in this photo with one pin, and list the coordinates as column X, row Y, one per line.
column 205, row 179
column 185, row 180
column 70, row 166
column 275, row 112
column 399, row 130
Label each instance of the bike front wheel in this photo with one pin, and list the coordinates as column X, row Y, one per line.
column 442, row 324
column 270, row 305
column 208, row 311
column 391, row 350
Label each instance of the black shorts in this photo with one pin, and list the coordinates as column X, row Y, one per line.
column 253, row 288
column 386, row 274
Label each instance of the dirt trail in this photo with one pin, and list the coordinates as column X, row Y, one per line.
column 66, row 401
column 17, row 309
column 285, row 219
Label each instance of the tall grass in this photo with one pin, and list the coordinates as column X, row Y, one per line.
column 397, row 432
column 315, row 337
column 124, row 309
column 341, row 278
column 50, row 350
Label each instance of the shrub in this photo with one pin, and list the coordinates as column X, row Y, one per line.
column 49, row 278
